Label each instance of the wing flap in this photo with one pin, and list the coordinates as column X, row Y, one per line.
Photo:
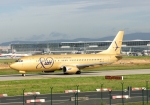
column 81, row 66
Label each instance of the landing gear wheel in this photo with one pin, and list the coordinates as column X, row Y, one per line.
column 65, row 73
column 78, row 72
column 23, row 75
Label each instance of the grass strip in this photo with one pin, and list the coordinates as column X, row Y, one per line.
column 13, row 88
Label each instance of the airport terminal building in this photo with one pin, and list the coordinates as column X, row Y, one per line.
column 79, row 47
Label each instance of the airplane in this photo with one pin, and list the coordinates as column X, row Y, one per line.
column 131, row 53
column 146, row 52
column 70, row 63
column 13, row 55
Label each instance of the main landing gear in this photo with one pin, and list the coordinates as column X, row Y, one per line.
column 23, row 75
column 78, row 72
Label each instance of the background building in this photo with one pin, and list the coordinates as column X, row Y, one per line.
column 5, row 49
column 137, row 46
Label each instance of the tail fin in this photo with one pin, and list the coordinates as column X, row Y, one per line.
column 115, row 47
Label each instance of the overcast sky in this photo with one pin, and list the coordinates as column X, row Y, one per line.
column 69, row 19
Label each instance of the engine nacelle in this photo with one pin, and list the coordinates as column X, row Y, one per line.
column 70, row 69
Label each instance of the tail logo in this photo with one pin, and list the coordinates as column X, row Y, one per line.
column 45, row 63
column 116, row 46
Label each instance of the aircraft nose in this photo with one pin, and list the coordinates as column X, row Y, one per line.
column 13, row 66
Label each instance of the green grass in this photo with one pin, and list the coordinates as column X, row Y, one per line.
column 8, row 71
column 11, row 71
column 7, row 60
column 124, row 67
column 60, row 84
column 136, row 57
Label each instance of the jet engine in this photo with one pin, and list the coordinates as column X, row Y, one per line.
column 71, row 70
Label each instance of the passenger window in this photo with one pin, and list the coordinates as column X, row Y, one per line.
column 19, row 60
column 16, row 60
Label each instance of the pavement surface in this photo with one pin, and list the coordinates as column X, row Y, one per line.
column 83, row 74
column 65, row 98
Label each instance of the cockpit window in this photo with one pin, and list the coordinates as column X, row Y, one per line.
column 19, row 60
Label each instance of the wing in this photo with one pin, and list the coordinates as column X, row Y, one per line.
column 81, row 66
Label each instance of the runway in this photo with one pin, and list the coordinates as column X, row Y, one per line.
column 83, row 74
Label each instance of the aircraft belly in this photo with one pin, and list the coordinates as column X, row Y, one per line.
column 92, row 67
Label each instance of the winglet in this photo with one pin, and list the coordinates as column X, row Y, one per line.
column 115, row 46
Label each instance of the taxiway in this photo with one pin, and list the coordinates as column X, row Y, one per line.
column 83, row 74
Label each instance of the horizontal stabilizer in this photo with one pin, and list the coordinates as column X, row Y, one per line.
column 119, row 56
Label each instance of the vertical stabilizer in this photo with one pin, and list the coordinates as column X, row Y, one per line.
column 115, row 46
